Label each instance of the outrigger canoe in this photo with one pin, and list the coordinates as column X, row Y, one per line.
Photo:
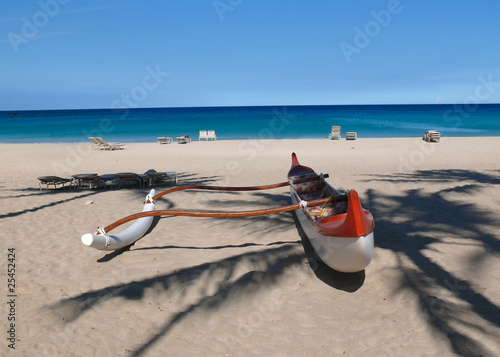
column 339, row 229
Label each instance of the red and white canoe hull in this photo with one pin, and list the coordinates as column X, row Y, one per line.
column 341, row 234
column 344, row 254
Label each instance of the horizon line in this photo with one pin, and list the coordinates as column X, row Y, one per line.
column 247, row 106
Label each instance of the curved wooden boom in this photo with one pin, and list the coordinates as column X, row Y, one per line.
column 229, row 188
column 144, row 219
column 214, row 214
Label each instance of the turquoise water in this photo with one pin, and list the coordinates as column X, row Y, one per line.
column 292, row 122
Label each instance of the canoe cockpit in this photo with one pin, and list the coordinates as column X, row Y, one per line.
column 318, row 189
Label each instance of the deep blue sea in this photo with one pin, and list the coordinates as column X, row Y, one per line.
column 290, row 122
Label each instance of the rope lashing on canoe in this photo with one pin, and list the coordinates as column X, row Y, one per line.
column 102, row 231
column 215, row 214
column 303, row 204
column 329, row 198
column 244, row 188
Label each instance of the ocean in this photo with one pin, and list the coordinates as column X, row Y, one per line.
column 265, row 122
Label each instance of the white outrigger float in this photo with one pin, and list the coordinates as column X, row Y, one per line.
column 339, row 229
column 102, row 241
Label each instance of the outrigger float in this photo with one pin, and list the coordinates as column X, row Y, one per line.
column 338, row 227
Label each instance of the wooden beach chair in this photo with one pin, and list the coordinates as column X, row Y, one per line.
column 335, row 134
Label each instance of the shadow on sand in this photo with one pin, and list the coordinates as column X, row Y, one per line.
column 266, row 268
column 50, row 204
column 427, row 220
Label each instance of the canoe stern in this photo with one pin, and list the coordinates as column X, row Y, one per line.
column 344, row 254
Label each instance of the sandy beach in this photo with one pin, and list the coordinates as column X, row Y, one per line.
column 253, row 286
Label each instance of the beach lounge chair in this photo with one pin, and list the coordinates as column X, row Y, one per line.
column 95, row 144
column 89, row 181
column 125, row 178
column 110, row 146
column 156, row 177
column 351, row 135
column 203, row 135
column 211, row 135
column 54, row 180
column 184, row 139
column 164, row 140
column 172, row 177
column 432, row 135
column 95, row 181
column 83, row 180
column 109, row 179
column 335, row 134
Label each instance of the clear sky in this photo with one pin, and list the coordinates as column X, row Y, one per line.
column 70, row 54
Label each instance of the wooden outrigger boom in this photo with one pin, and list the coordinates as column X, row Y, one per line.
column 102, row 241
column 216, row 214
column 233, row 188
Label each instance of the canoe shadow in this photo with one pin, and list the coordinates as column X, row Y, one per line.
column 349, row 282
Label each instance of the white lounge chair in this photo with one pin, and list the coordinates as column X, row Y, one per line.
column 95, row 144
column 164, row 140
column 351, row 135
column 203, row 135
column 335, row 134
column 211, row 135
column 432, row 135
column 110, row 146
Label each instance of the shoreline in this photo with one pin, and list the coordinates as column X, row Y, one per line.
column 259, row 139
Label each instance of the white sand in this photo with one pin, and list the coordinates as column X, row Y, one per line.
column 238, row 287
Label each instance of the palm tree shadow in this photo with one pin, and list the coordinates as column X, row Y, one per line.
column 248, row 284
column 231, row 278
column 424, row 218
column 349, row 282
column 50, row 204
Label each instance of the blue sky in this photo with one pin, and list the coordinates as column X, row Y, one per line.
column 69, row 54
